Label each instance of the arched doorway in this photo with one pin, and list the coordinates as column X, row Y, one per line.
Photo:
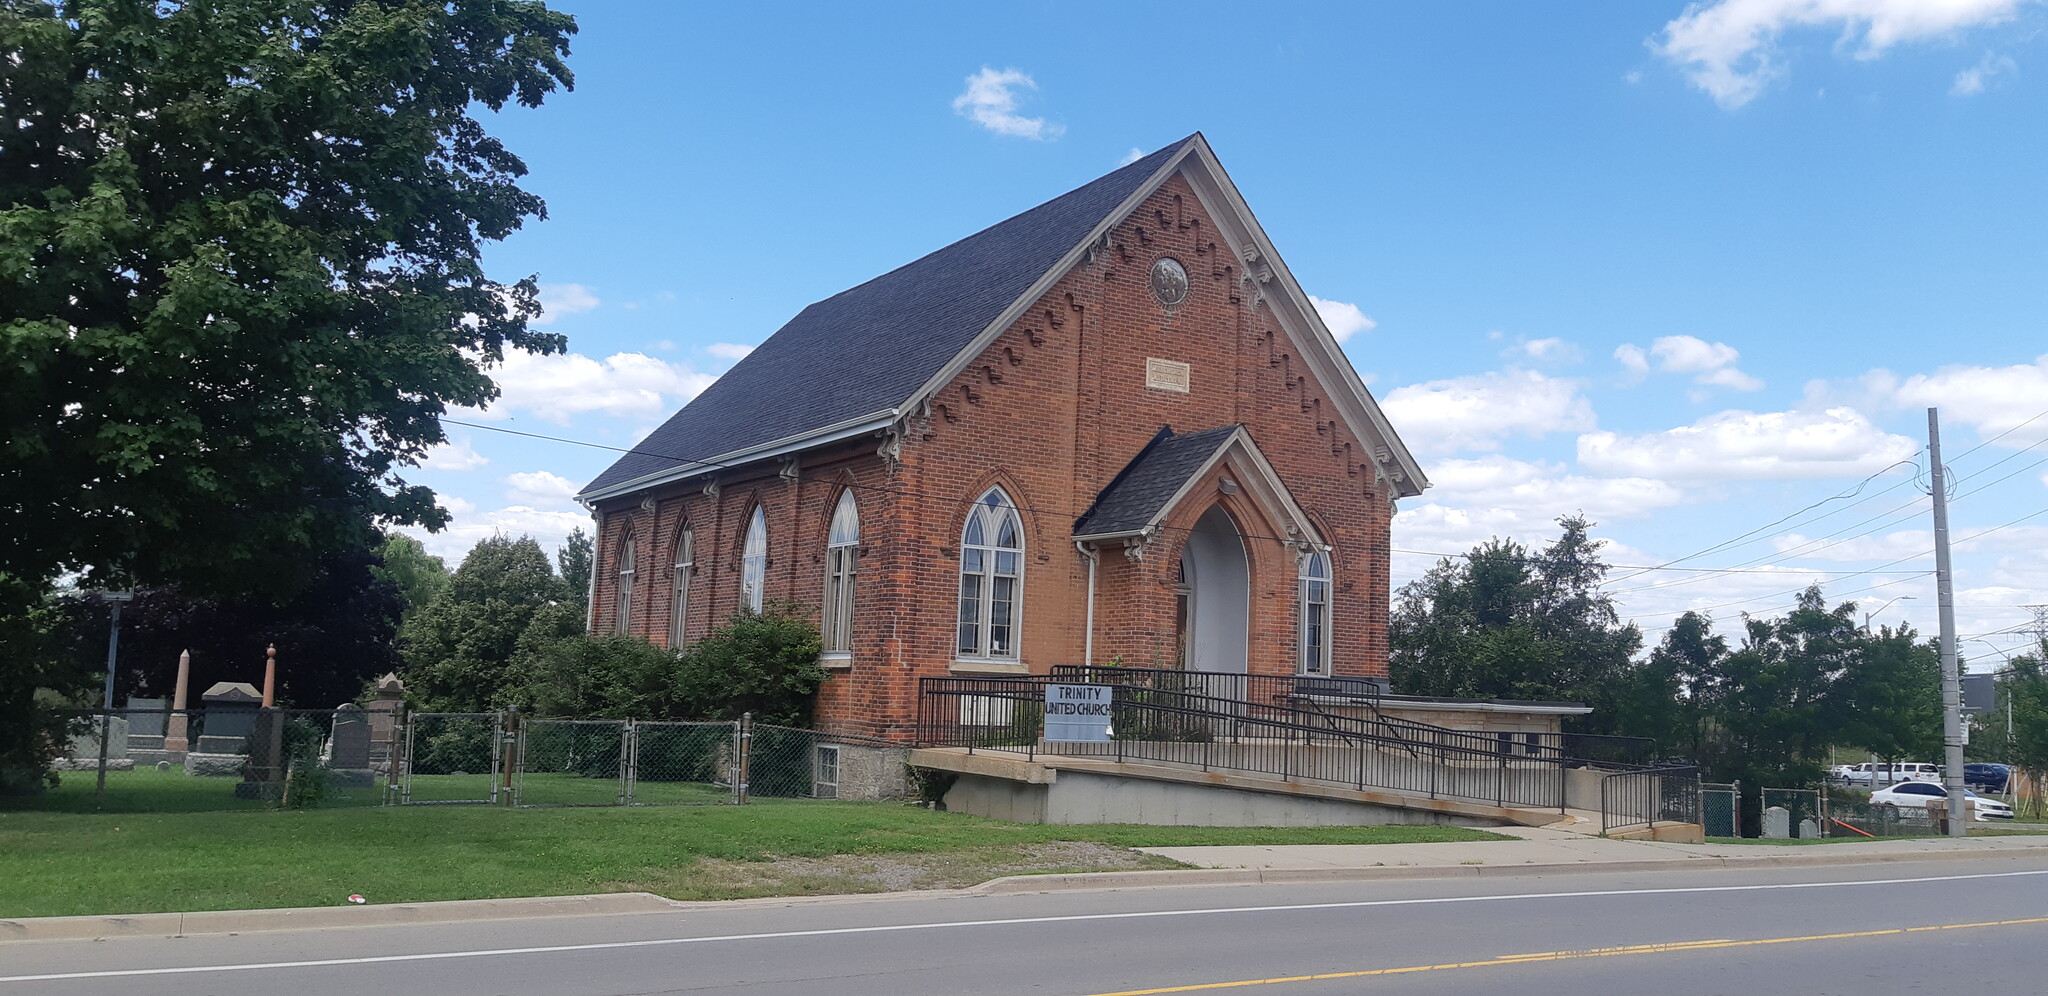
column 1215, row 596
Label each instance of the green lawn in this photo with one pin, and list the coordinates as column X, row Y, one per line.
column 61, row 863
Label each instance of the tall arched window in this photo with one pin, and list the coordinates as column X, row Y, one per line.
column 842, row 549
column 622, row 617
column 1315, row 613
column 991, row 578
column 685, row 565
column 754, row 562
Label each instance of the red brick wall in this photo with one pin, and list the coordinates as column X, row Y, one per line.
column 1050, row 411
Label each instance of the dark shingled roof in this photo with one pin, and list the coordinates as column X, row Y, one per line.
column 1141, row 490
column 863, row 351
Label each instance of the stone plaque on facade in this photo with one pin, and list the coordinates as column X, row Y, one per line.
column 1167, row 375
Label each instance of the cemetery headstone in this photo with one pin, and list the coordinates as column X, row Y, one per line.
column 348, row 748
column 1777, row 823
column 222, row 747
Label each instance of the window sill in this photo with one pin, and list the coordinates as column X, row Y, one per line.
column 836, row 662
column 988, row 667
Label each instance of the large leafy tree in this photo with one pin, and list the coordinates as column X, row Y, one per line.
column 1507, row 622
column 418, row 575
column 240, row 272
column 575, row 558
column 459, row 650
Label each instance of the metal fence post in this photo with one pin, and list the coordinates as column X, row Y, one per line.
column 405, row 790
column 629, row 761
column 746, row 736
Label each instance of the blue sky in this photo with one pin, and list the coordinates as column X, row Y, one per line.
column 1689, row 269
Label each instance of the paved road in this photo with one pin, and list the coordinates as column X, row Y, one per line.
column 1823, row 930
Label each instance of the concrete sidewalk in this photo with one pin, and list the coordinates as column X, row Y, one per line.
column 1554, row 849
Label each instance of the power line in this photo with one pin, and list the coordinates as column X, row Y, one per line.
column 1851, row 493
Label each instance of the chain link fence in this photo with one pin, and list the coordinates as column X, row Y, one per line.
column 1721, row 808
column 157, row 760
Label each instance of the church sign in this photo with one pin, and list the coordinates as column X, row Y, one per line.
column 1077, row 713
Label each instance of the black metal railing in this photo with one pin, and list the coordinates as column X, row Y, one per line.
column 1156, row 721
column 1644, row 797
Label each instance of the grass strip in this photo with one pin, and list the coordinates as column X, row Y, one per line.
column 61, row 863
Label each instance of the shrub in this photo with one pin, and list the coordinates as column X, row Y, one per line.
column 765, row 663
column 605, row 677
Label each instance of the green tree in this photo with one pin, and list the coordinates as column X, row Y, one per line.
column 240, row 272
column 1505, row 622
column 418, row 575
column 459, row 650
column 38, row 674
column 2023, row 695
column 575, row 558
column 1679, row 691
column 1888, row 701
column 765, row 663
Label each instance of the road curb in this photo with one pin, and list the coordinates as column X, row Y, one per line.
column 1016, row 884
column 51, row 928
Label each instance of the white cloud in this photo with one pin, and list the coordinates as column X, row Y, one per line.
column 566, row 384
column 1132, row 156
column 1477, row 412
column 1972, row 80
column 1544, row 491
column 1991, row 399
column 453, row 455
column 990, row 101
column 729, row 350
column 562, row 300
column 1709, row 362
column 1750, row 446
column 1343, row 320
column 1727, row 47
column 1550, row 350
column 1633, row 360
column 539, row 488
column 469, row 526
column 1905, row 543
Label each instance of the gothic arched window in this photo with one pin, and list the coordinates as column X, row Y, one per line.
column 622, row 616
column 754, row 562
column 1314, row 598
column 685, row 565
column 842, row 550
column 991, row 578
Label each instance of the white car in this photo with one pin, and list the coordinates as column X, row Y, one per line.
column 1917, row 795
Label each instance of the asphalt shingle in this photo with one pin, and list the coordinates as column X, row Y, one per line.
column 1140, row 491
column 864, row 350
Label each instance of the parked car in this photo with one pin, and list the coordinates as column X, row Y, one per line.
column 1987, row 777
column 1874, row 773
column 1916, row 795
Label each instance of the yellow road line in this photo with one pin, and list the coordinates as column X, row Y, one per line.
column 1526, row 959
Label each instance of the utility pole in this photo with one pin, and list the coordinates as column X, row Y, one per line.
column 115, row 599
column 1951, row 674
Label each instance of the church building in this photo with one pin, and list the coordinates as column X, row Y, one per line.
column 1111, row 429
